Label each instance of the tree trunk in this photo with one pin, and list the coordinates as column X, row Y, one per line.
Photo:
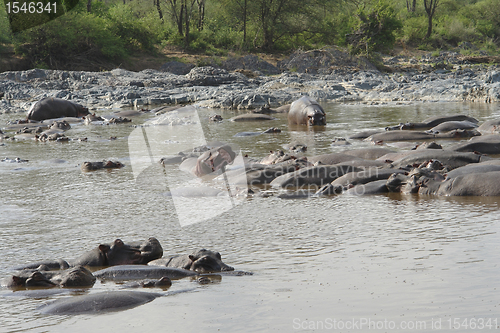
column 89, row 6
column 430, row 9
column 245, row 22
column 159, row 10
column 201, row 14
column 429, row 27
column 186, row 17
column 411, row 5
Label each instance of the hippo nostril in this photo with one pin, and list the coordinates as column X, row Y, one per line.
column 227, row 268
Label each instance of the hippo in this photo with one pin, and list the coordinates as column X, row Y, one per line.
column 432, row 122
column 164, row 283
column 451, row 125
column 450, row 159
column 252, row 117
column 150, row 249
column 200, row 261
column 399, row 135
column 90, row 118
column 92, row 166
column 269, row 130
column 267, row 173
column 108, row 255
column 210, row 161
column 141, row 272
column 364, row 134
column 490, row 126
column 471, row 184
column 472, row 168
column 333, row 158
column 215, row 118
column 306, row 111
column 375, row 187
column 314, row 175
column 50, row 108
column 77, row 276
column 363, row 177
column 98, row 303
column 368, row 153
column 274, row 157
column 485, row 144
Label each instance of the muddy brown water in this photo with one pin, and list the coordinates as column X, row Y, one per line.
column 343, row 263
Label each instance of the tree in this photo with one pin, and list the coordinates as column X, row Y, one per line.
column 375, row 29
column 430, row 9
column 277, row 18
column 411, row 5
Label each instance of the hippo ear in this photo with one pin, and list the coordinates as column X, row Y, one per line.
column 118, row 242
column 104, row 248
column 17, row 280
column 192, row 258
column 218, row 256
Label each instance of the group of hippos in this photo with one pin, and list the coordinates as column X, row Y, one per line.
column 138, row 262
column 464, row 168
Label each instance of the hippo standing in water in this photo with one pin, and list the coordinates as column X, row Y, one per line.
column 306, row 111
column 50, row 108
column 201, row 261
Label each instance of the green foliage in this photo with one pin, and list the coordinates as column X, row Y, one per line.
column 5, row 33
column 375, row 29
column 114, row 30
column 73, row 36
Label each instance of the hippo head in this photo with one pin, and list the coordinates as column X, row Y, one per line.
column 206, row 261
column 37, row 279
column 150, row 250
column 316, row 118
column 82, row 111
column 77, row 276
column 214, row 160
column 120, row 254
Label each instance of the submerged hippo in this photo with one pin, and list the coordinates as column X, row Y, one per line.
column 210, row 161
column 252, row 117
column 92, row 166
column 98, row 303
column 432, row 122
column 314, row 176
column 163, row 283
column 472, row 184
column 201, row 261
column 486, row 144
column 118, row 253
column 77, row 276
column 306, row 111
column 141, row 272
column 50, row 108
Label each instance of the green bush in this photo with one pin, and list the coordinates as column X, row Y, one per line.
column 375, row 29
column 76, row 36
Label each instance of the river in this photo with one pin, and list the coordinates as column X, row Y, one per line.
column 342, row 263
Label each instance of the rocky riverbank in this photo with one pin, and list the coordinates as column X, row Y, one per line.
column 249, row 82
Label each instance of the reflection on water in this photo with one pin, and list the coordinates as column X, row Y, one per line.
column 387, row 257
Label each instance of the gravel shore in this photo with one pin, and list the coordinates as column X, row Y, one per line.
column 249, row 83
